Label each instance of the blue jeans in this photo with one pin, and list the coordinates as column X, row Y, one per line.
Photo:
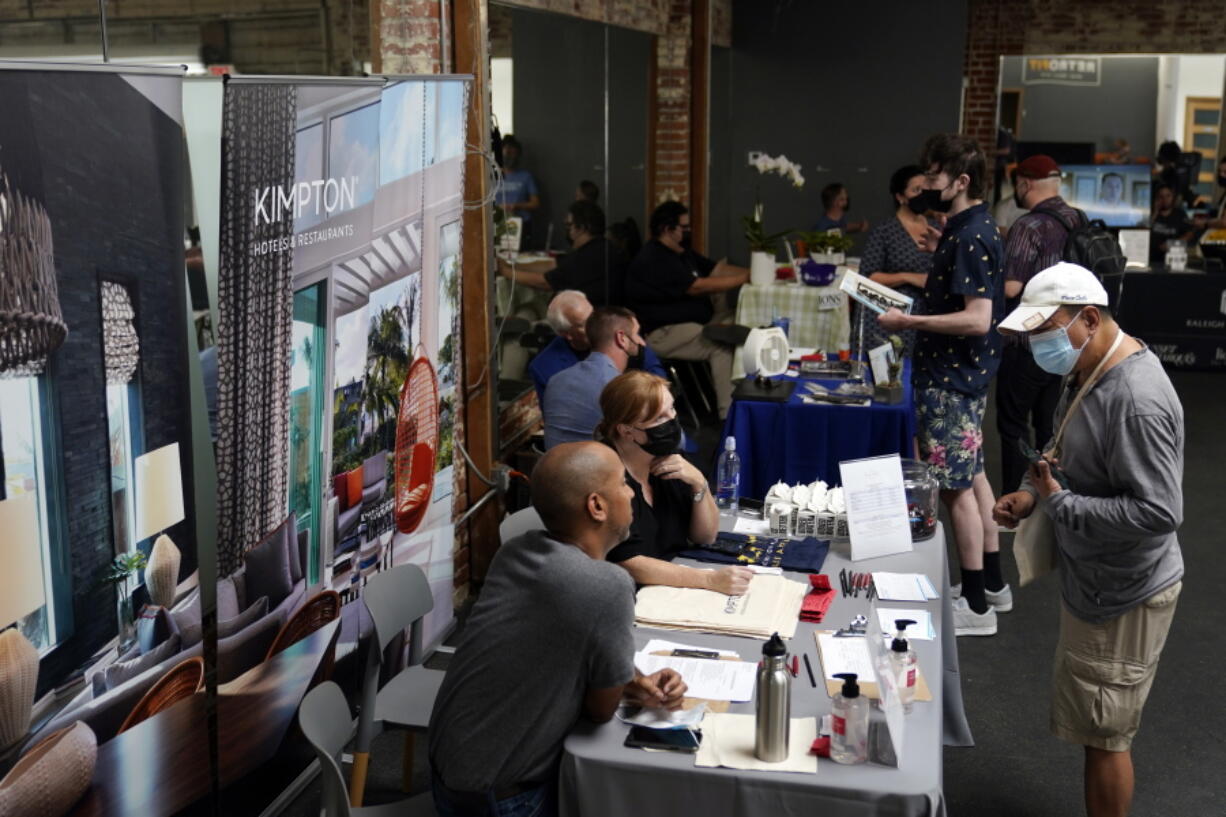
column 538, row 802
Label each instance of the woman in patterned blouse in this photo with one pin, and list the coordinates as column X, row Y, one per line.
column 892, row 255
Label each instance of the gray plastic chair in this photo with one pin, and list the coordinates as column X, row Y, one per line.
column 519, row 523
column 324, row 719
column 397, row 599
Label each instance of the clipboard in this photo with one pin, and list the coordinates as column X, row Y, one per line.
column 690, row 703
column 867, row 688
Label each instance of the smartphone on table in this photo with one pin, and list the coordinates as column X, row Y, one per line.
column 670, row 740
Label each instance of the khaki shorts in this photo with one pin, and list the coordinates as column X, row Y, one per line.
column 1103, row 672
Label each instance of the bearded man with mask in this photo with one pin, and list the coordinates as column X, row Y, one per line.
column 1025, row 394
column 1111, row 487
column 672, row 505
column 957, row 353
column 571, row 407
column 669, row 287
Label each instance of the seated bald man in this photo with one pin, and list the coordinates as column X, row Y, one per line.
column 550, row 640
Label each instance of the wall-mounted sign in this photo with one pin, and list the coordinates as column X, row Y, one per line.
column 1061, row 70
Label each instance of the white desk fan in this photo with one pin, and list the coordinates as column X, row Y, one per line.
column 765, row 352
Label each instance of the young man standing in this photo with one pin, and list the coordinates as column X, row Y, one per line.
column 1114, row 517
column 957, row 353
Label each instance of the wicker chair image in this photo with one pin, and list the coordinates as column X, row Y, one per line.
column 416, row 445
column 181, row 682
column 318, row 611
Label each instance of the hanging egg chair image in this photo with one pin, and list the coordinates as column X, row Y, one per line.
column 416, row 444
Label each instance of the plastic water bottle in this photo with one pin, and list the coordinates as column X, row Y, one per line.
column 728, row 477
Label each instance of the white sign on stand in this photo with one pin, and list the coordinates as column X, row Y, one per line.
column 877, row 519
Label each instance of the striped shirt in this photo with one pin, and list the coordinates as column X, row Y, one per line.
column 1036, row 241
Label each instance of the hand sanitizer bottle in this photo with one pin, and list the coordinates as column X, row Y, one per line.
column 904, row 664
column 849, row 723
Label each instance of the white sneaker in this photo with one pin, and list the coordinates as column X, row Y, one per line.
column 968, row 622
column 1002, row 599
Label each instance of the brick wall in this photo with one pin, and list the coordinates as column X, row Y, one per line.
column 671, row 160
column 1008, row 27
column 268, row 37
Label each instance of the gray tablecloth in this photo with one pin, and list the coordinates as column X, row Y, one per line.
column 600, row 776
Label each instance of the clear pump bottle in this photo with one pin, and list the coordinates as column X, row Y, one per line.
column 849, row 723
column 904, row 665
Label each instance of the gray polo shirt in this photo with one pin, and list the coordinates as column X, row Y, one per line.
column 551, row 623
column 1123, row 455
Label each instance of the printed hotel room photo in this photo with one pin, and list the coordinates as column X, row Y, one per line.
column 479, row 408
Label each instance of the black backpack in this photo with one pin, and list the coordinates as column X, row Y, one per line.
column 1090, row 245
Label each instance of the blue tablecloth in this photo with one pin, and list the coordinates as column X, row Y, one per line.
column 800, row 442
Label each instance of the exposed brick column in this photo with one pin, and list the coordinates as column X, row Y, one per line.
column 407, row 36
column 994, row 28
column 670, row 161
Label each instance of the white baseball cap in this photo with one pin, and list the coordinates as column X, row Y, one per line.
column 1064, row 284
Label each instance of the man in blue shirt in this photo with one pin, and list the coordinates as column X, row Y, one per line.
column 572, row 398
column 568, row 313
column 957, row 353
column 518, row 194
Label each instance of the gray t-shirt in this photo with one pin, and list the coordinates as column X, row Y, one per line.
column 1123, row 454
column 551, row 623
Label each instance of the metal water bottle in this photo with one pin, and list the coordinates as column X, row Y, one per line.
column 774, row 703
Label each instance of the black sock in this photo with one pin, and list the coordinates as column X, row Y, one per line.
column 972, row 590
column 992, row 578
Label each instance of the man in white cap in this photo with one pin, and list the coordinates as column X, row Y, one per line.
column 1111, row 487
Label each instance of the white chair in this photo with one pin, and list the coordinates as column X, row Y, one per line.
column 519, row 523
column 324, row 719
column 397, row 599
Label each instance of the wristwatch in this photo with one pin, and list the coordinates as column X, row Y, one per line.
column 699, row 494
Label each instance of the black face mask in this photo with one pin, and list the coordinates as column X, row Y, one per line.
column 933, row 201
column 918, row 203
column 686, row 238
column 637, row 360
column 1221, row 180
column 663, row 439
column 1018, row 199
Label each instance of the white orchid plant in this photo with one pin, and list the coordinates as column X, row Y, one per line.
column 755, row 233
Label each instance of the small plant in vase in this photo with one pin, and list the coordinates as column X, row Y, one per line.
column 763, row 245
column 122, row 573
column 827, row 248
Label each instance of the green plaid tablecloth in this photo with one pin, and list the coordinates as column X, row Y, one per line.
column 820, row 315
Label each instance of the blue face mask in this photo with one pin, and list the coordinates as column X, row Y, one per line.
column 1053, row 352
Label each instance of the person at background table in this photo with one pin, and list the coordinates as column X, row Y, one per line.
column 511, row 696
column 1007, row 210
column 587, row 191
column 836, row 202
column 567, row 314
column 672, row 506
column 572, row 398
column 1025, row 394
column 669, row 287
column 1217, row 221
column 518, row 194
column 892, row 255
column 957, row 353
column 1169, row 223
column 1115, row 526
column 593, row 266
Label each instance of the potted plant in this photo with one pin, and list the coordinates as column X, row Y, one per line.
column 891, row 391
column 122, row 573
column 763, row 245
column 827, row 248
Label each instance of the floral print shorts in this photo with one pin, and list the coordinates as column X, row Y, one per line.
column 949, row 425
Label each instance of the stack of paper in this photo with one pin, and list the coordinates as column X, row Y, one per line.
column 728, row 740
column 904, row 587
column 707, row 678
column 771, row 605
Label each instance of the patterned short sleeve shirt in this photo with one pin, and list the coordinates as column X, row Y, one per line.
column 967, row 263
